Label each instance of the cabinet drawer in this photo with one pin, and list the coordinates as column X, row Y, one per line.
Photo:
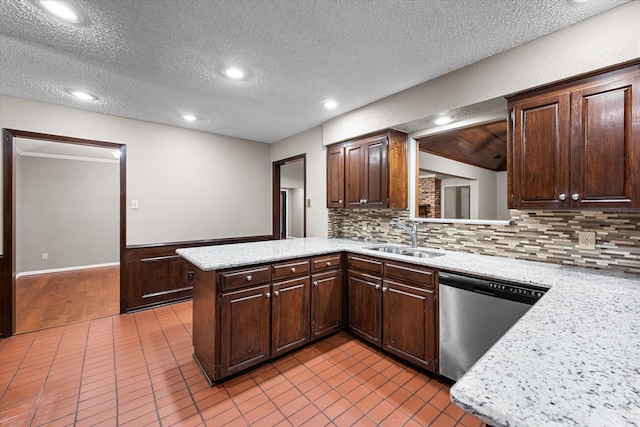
column 363, row 263
column 327, row 262
column 421, row 276
column 290, row 269
column 250, row 276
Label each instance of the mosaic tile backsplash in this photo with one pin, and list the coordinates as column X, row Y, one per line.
column 547, row 236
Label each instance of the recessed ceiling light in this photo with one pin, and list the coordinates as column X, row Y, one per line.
column 234, row 73
column 329, row 104
column 62, row 9
column 443, row 120
column 189, row 117
column 83, row 95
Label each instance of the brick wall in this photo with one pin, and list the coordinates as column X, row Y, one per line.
column 547, row 236
column 429, row 189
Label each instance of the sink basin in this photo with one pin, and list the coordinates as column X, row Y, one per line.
column 406, row 251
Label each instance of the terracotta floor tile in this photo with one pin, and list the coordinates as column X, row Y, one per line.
column 257, row 412
column 454, row 411
column 426, row 414
column 469, row 420
column 441, row 400
column 303, row 415
column 138, row 370
column 269, row 420
column 349, row 417
column 443, row 420
column 337, row 408
column 412, row 405
column 396, row 418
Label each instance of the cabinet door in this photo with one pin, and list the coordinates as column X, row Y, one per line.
column 605, row 145
column 290, row 315
column 409, row 323
column 365, row 306
column 245, row 329
column 539, row 153
column 354, row 175
column 335, row 177
column 326, row 303
column 376, row 193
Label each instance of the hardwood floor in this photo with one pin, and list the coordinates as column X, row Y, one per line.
column 56, row 299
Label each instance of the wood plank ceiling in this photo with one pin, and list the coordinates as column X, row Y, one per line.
column 484, row 145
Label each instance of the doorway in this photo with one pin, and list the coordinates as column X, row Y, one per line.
column 289, row 198
column 75, row 266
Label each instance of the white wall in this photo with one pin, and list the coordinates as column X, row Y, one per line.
column 606, row 39
column 309, row 142
column 487, row 187
column 190, row 185
column 68, row 209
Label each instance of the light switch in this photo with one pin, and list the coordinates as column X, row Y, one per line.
column 134, row 203
column 308, row 203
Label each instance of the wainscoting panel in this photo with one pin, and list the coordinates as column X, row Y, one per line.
column 155, row 274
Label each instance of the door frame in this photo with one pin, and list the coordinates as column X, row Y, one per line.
column 276, row 230
column 7, row 293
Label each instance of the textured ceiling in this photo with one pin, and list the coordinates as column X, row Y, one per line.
column 156, row 59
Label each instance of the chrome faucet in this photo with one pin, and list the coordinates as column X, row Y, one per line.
column 412, row 230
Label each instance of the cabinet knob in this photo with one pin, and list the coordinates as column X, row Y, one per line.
column 378, row 287
column 315, row 283
column 268, row 295
column 340, row 201
column 293, row 269
column 364, row 201
column 328, row 263
column 249, row 278
column 276, row 293
column 562, row 197
column 575, row 196
column 384, row 289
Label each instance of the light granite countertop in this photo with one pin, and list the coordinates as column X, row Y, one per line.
column 572, row 360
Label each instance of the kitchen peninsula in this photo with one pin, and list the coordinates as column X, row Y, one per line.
column 571, row 360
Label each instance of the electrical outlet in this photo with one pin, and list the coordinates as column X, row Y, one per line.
column 45, row 255
column 190, row 276
column 134, row 203
column 587, row 240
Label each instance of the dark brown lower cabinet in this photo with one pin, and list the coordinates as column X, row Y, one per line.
column 409, row 323
column 365, row 306
column 245, row 329
column 290, row 308
column 326, row 303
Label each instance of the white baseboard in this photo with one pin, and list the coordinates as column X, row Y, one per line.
column 58, row 270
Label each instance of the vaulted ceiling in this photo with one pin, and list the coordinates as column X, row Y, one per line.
column 156, row 60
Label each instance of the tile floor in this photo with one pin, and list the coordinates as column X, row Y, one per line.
column 137, row 369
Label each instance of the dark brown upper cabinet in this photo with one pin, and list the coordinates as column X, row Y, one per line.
column 369, row 172
column 576, row 144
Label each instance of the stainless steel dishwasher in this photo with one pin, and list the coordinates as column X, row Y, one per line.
column 474, row 314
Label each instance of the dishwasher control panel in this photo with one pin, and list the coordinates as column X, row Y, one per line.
column 518, row 290
column 496, row 288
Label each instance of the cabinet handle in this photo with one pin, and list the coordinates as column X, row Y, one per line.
column 315, row 283
column 377, row 287
column 293, row 269
column 575, row 196
column 268, row 295
column 276, row 293
column 562, row 197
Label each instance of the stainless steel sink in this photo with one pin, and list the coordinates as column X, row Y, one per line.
column 406, row 251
